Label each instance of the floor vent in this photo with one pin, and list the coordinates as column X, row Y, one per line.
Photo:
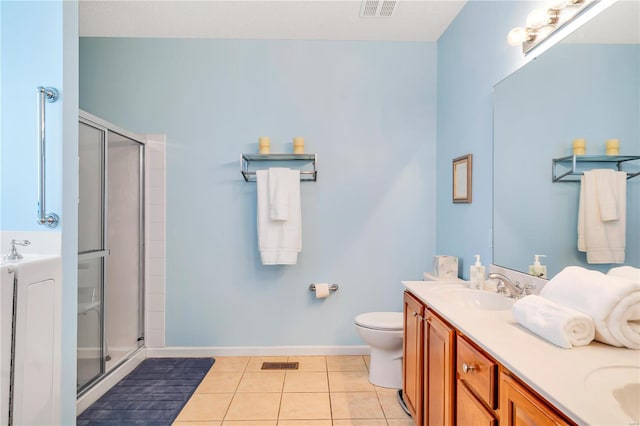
column 279, row 365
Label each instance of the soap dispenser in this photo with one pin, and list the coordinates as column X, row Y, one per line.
column 476, row 274
column 538, row 270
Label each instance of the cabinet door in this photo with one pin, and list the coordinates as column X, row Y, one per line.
column 439, row 367
column 520, row 407
column 412, row 365
column 470, row 411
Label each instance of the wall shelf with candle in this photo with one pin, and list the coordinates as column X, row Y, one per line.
column 308, row 163
column 567, row 169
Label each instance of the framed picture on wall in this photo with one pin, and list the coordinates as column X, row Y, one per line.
column 462, row 167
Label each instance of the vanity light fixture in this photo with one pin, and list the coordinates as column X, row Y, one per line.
column 541, row 23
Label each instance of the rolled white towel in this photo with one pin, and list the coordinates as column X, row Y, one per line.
column 612, row 302
column 562, row 326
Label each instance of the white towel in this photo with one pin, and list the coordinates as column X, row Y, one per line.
column 602, row 216
column 279, row 193
column 279, row 242
column 628, row 272
column 562, row 326
column 612, row 302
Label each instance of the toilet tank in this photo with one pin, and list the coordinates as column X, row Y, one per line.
column 36, row 325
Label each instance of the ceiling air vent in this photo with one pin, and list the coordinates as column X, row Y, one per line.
column 377, row 8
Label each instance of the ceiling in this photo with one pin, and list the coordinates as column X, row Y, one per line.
column 412, row 20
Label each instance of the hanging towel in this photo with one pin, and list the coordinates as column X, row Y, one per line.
column 562, row 326
column 279, row 242
column 279, row 193
column 612, row 302
column 602, row 215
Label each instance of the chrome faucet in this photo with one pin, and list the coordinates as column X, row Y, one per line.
column 13, row 254
column 514, row 290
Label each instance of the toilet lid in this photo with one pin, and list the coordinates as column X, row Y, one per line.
column 381, row 320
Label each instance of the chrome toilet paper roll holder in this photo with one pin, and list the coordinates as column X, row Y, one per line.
column 332, row 287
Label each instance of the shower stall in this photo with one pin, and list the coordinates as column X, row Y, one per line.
column 110, row 248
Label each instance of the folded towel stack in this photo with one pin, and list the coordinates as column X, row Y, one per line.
column 611, row 300
column 279, row 216
column 562, row 326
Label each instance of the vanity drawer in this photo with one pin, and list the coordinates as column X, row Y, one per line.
column 477, row 371
column 469, row 411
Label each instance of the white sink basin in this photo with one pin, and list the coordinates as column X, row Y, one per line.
column 475, row 299
column 618, row 384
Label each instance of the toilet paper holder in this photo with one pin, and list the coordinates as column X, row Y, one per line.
column 332, row 287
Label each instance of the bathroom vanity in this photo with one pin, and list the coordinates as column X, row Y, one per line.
column 30, row 341
column 476, row 366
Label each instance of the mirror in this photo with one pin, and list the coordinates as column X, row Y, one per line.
column 587, row 87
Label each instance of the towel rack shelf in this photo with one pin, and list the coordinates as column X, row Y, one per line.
column 565, row 169
column 305, row 160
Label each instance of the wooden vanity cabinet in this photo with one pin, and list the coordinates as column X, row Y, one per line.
column 412, row 377
column 519, row 406
column 449, row 380
column 439, row 371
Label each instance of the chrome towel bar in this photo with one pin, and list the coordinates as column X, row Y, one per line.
column 50, row 220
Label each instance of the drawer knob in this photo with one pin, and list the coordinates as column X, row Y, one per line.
column 467, row 368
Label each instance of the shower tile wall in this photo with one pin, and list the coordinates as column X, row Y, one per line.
column 155, row 219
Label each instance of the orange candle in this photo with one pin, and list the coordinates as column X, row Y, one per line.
column 612, row 147
column 264, row 145
column 298, row 145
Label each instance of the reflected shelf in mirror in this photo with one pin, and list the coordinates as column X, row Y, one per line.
column 572, row 161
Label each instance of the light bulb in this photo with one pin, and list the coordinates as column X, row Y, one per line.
column 557, row 4
column 517, row 36
column 537, row 18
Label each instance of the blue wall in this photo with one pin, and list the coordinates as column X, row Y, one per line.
column 473, row 55
column 40, row 47
column 29, row 59
column 366, row 108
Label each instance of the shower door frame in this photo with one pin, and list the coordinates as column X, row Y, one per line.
column 106, row 127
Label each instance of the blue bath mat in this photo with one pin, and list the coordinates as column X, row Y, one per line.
column 151, row 395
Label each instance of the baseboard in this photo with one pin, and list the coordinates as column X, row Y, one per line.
column 180, row 351
column 110, row 380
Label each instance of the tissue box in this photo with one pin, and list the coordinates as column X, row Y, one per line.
column 445, row 266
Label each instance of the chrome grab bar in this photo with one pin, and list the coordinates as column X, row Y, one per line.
column 49, row 94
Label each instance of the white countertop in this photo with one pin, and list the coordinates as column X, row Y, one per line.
column 577, row 381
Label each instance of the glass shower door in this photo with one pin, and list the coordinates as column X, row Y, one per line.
column 110, row 248
column 91, row 253
column 125, row 265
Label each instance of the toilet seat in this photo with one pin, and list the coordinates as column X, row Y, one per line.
column 385, row 321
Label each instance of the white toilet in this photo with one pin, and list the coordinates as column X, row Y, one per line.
column 382, row 331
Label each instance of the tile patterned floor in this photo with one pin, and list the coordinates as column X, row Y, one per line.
column 324, row 391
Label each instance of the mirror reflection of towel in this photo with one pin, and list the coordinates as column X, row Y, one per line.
column 602, row 216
